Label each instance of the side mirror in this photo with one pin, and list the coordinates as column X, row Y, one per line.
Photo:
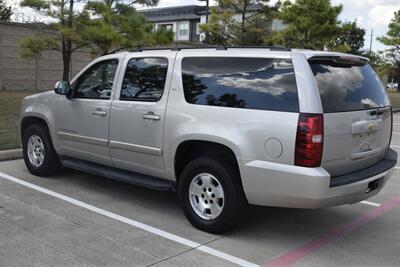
column 63, row 88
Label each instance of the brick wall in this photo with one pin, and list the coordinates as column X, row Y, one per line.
column 33, row 74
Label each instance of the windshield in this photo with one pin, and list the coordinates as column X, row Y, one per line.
column 347, row 88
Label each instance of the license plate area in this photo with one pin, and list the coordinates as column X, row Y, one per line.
column 365, row 145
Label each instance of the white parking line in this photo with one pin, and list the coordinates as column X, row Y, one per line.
column 395, row 132
column 397, row 168
column 134, row 223
column 393, row 146
column 370, row 203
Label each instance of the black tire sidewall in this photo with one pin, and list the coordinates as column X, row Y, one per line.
column 231, row 212
column 50, row 162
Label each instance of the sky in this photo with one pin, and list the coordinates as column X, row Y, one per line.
column 370, row 14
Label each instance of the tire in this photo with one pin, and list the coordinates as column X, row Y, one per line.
column 47, row 165
column 231, row 209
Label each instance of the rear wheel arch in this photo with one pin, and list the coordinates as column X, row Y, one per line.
column 191, row 149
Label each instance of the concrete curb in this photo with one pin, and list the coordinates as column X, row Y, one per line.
column 10, row 154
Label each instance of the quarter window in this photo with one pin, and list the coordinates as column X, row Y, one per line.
column 251, row 83
column 97, row 81
column 144, row 79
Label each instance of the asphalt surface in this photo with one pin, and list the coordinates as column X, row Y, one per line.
column 76, row 219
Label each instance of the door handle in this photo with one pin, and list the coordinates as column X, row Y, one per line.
column 99, row 112
column 151, row 116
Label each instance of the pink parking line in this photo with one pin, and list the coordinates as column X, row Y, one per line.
column 299, row 253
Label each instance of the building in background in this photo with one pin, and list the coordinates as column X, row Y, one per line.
column 184, row 21
column 41, row 73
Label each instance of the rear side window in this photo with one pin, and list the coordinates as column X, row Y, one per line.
column 348, row 88
column 237, row 82
column 144, row 79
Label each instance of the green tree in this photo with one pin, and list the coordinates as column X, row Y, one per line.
column 310, row 24
column 111, row 3
column 378, row 61
column 392, row 39
column 105, row 25
column 64, row 40
column 207, row 16
column 251, row 27
column 350, row 38
column 5, row 11
column 117, row 27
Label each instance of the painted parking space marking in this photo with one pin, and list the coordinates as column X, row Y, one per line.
column 299, row 253
column 144, row 227
column 370, row 203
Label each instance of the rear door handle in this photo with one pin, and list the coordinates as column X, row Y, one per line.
column 99, row 112
column 366, row 126
column 151, row 116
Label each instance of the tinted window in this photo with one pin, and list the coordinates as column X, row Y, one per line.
column 144, row 79
column 97, row 81
column 349, row 88
column 252, row 83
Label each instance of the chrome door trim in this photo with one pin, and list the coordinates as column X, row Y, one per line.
column 84, row 139
column 136, row 148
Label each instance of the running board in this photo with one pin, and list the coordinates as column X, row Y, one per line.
column 120, row 175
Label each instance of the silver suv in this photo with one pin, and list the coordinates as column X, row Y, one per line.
column 224, row 127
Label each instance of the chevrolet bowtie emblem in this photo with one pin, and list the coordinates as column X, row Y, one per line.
column 372, row 126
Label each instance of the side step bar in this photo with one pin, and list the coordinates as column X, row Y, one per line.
column 120, row 175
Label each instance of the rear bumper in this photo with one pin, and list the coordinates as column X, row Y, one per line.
column 272, row 184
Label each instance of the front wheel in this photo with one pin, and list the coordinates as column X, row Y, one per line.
column 39, row 155
column 211, row 195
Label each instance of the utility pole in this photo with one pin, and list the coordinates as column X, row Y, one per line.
column 370, row 41
column 207, row 15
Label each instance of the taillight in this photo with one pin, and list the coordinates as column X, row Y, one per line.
column 309, row 140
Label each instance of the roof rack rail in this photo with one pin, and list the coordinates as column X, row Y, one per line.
column 218, row 47
column 271, row 47
column 178, row 48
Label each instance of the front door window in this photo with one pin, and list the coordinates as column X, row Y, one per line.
column 97, row 81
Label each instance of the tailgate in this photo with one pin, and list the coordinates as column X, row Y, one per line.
column 355, row 140
column 357, row 114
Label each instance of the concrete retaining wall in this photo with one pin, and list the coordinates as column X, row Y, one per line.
column 33, row 74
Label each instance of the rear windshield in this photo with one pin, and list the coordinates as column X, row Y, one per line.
column 237, row 82
column 348, row 88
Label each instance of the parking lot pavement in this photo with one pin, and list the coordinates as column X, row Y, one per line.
column 38, row 228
